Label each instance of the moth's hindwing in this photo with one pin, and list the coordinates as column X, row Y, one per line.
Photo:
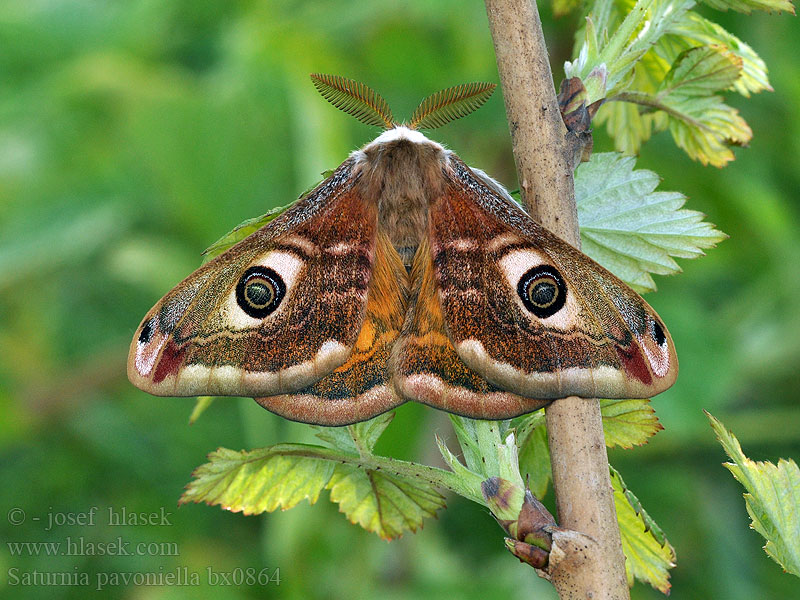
column 359, row 389
column 272, row 315
column 530, row 313
column 427, row 368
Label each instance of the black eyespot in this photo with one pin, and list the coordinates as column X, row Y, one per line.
column 260, row 291
column 147, row 332
column 543, row 291
column 658, row 333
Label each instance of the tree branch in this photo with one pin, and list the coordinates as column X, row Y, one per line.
column 584, row 496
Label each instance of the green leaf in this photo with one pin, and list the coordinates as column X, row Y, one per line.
column 468, row 435
column 486, row 447
column 642, row 27
column 625, row 122
column 534, row 456
column 382, row 503
column 626, row 125
column 748, row 6
column 471, row 480
column 241, row 231
column 693, row 29
column 628, row 423
column 701, row 71
column 382, row 495
column 261, row 480
column 203, row 402
column 772, row 498
column 700, row 123
column 705, row 128
column 649, row 556
column 629, row 228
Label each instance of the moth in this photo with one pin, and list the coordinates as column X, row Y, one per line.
column 405, row 275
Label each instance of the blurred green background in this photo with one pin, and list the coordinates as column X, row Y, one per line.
column 133, row 134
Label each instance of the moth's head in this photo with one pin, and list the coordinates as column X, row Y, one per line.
column 366, row 105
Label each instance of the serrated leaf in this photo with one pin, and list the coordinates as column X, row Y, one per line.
column 451, row 460
column 354, row 98
column 700, row 123
column 631, row 229
column 338, row 438
column 705, row 128
column 200, row 406
column 748, row 6
column 281, row 476
column 642, row 27
column 368, row 432
column 626, row 125
column 772, row 498
column 701, row 71
column 481, row 444
column 450, row 104
column 241, row 231
column 262, row 480
column 384, row 504
column 628, row 423
column 694, row 29
column 649, row 556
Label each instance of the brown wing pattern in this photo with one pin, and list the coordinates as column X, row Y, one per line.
column 359, row 389
column 314, row 262
column 603, row 340
column 427, row 368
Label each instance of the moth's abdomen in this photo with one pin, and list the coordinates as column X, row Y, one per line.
column 403, row 174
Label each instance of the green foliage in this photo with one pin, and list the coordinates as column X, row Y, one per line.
column 699, row 121
column 693, row 29
column 772, row 498
column 628, row 423
column 132, row 134
column 648, row 554
column 662, row 56
column 748, row 6
column 359, row 437
column 241, row 231
column 631, row 229
column 366, row 489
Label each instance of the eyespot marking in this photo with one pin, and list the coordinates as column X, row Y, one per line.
column 260, row 291
column 542, row 291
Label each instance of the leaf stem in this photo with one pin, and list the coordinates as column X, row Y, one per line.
column 464, row 485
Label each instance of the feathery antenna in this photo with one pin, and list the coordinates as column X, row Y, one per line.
column 366, row 105
column 450, row 104
column 354, row 98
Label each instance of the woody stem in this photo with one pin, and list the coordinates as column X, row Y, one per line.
column 584, row 497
